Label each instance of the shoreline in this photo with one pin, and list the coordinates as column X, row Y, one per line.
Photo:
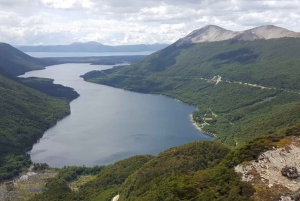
column 198, row 127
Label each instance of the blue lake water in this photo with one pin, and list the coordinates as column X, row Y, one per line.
column 108, row 124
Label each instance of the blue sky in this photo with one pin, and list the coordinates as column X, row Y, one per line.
column 117, row 22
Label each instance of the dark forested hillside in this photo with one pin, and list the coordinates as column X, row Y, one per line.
column 246, row 88
column 15, row 62
column 47, row 86
column 24, row 116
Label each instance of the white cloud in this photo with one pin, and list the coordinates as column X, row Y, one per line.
column 130, row 21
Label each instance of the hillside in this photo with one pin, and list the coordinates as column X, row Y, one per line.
column 92, row 47
column 195, row 171
column 242, row 88
column 147, row 177
column 24, row 116
column 162, row 178
column 103, row 187
column 16, row 62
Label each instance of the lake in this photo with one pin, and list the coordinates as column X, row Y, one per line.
column 109, row 124
column 84, row 54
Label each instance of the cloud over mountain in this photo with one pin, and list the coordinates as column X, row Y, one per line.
column 115, row 22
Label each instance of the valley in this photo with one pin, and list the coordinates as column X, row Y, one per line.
column 244, row 85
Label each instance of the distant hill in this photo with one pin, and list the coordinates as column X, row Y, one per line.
column 15, row 62
column 243, row 86
column 92, row 47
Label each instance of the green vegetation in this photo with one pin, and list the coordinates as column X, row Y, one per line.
column 241, row 111
column 71, row 173
column 107, row 184
column 47, row 86
column 24, row 116
column 103, row 187
column 163, row 178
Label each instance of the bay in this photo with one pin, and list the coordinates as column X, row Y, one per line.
column 109, row 124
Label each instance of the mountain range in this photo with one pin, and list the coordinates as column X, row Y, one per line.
column 92, row 47
column 213, row 33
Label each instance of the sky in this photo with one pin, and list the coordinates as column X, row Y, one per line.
column 120, row 22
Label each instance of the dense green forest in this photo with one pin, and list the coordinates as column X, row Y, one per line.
column 47, row 86
column 24, row 116
column 258, row 90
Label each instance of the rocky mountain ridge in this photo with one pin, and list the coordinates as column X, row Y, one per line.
column 213, row 33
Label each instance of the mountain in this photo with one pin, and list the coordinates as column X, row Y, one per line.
column 212, row 33
column 242, row 88
column 92, row 47
column 15, row 62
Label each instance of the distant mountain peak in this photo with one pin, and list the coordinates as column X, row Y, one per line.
column 271, row 31
column 208, row 33
column 213, row 33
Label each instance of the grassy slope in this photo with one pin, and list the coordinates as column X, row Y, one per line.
column 240, row 111
column 24, row 116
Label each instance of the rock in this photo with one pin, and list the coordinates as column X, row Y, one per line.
column 290, row 172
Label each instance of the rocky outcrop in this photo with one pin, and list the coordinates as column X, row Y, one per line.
column 290, row 172
column 275, row 171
